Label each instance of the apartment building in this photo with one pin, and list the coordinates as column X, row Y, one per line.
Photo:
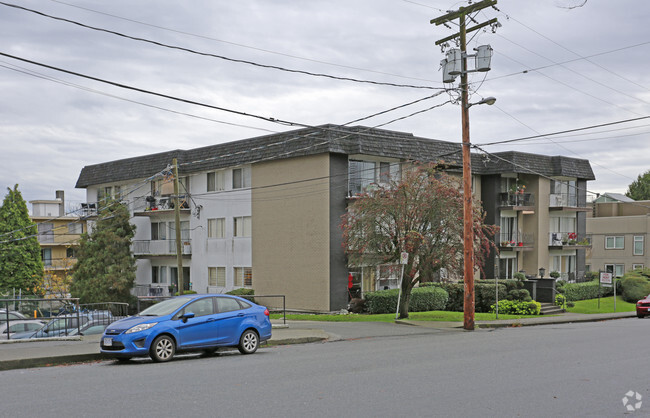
column 619, row 229
column 58, row 235
column 265, row 212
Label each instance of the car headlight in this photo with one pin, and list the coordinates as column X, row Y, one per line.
column 140, row 327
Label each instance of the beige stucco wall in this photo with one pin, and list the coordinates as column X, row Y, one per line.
column 291, row 231
column 626, row 226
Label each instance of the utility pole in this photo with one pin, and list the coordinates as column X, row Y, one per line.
column 177, row 224
column 468, row 218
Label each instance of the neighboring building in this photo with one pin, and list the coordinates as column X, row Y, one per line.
column 265, row 212
column 58, row 236
column 619, row 231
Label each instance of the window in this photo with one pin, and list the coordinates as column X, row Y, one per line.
column 158, row 231
column 217, row 228
column 117, row 190
column 227, row 305
column 614, row 243
column 217, row 276
column 242, row 226
column 637, row 266
column 158, row 274
column 201, row 307
column 216, row 181
column 243, row 276
column 241, row 178
column 564, row 193
column 75, row 228
column 46, row 232
column 638, row 245
column 165, row 187
column 71, row 252
column 361, row 175
column 46, row 256
column 104, row 194
column 617, row 269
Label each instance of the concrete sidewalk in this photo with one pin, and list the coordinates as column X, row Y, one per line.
column 17, row 354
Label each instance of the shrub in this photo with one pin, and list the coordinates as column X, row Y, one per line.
column 187, row 292
column 585, row 290
column 519, row 276
column 516, row 307
column 634, row 286
column 554, row 274
column 242, row 291
column 484, row 295
column 560, row 299
column 422, row 300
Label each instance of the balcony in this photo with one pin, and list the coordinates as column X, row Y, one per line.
column 151, row 206
column 152, row 248
column 568, row 240
column 517, row 201
column 565, row 201
column 517, row 242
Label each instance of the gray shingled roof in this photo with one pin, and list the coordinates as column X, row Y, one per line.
column 319, row 140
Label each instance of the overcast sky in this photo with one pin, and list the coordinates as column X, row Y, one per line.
column 558, row 65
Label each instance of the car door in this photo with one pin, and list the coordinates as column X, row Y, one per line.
column 229, row 317
column 200, row 330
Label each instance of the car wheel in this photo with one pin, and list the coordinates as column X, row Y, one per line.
column 639, row 315
column 249, row 342
column 162, row 349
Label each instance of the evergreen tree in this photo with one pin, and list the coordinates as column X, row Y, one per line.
column 21, row 266
column 640, row 188
column 105, row 268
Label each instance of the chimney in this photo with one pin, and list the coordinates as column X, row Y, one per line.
column 60, row 196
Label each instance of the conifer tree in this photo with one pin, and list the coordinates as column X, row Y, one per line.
column 105, row 268
column 21, row 266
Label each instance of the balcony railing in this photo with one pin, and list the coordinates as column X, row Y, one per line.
column 516, row 199
column 559, row 200
column 153, row 204
column 516, row 240
column 572, row 239
column 160, row 247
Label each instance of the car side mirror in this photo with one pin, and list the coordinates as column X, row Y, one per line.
column 187, row 316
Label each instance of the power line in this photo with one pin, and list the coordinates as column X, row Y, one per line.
column 240, row 44
column 166, row 96
column 206, row 54
column 563, row 132
column 88, row 89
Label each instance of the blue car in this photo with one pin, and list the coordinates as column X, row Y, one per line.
column 188, row 323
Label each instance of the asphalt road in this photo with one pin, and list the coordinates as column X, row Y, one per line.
column 382, row 370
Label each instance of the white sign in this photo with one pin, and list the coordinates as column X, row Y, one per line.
column 404, row 258
column 606, row 279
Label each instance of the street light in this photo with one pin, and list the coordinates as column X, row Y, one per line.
column 488, row 101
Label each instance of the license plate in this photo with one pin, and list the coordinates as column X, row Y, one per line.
column 108, row 342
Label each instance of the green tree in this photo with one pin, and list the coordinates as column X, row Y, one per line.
column 105, row 268
column 640, row 188
column 422, row 215
column 21, row 266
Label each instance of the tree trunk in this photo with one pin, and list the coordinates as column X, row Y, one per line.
column 405, row 299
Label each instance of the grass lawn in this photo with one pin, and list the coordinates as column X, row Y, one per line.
column 590, row 306
column 413, row 316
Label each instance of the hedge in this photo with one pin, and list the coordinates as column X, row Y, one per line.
column 484, row 294
column 422, row 299
column 585, row 290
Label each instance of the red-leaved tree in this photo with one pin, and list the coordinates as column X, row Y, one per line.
column 421, row 214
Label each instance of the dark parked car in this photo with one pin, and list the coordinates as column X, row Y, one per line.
column 643, row 307
column 189, row 323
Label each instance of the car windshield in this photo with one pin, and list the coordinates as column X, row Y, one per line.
column 165, row 307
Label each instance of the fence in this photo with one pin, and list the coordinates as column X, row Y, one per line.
column 146, row 301
column 44, row 318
